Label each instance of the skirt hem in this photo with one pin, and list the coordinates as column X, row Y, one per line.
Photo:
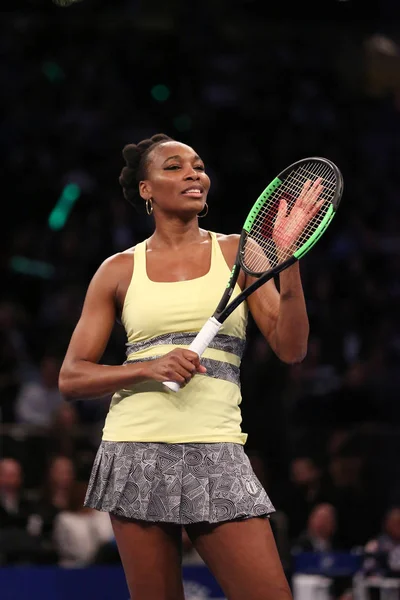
column 263, row 515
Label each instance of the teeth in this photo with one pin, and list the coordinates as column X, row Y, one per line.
column 192, row 191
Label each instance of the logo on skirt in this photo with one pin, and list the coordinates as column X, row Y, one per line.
column 252, row 487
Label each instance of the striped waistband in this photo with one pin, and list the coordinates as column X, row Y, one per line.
column 227, row 343
column 217, row 369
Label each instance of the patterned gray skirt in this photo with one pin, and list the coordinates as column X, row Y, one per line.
column 176, row 483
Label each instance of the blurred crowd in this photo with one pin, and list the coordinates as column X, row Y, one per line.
column 251, row 97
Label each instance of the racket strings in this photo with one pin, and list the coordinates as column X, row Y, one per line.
column 260, row 253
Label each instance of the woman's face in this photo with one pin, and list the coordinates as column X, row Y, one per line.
column 61, row 473
column 176, row 180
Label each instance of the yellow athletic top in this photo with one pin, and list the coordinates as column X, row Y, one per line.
column 159, row 317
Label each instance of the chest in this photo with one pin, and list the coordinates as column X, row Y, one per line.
column 171, row 266
column 192, row 263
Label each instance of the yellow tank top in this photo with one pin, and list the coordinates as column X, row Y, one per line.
column 159, row 317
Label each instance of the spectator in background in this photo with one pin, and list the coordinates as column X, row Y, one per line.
column 59, row 482
column 55, row 497
column 347, row 492
column 320, row 532
column 16, row 543
column 303, row 491
column 63, row 430
column 37, row 401
column 13, row 508
column 320, row 536
column 68, row 437
column 383, row 552
column 81, row 532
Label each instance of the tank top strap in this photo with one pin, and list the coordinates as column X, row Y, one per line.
column 139, row 268
column 217, row 257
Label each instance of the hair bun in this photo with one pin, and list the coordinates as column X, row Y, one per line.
column 132, row 155
column 127, row 176
column 135, row 156
column 160, row 137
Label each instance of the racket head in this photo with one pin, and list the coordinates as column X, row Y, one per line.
column 258, row 253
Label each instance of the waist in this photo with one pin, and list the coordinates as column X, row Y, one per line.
column 206, row 410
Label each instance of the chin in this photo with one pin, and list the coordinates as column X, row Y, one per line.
column 193, row 206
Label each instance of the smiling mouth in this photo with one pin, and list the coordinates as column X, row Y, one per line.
column 193, row 193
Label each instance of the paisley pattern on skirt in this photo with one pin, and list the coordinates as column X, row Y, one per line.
column 176, row 483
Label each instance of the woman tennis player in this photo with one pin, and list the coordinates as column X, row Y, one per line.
column 170, row 459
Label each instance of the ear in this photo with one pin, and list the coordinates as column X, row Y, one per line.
column 145, row 190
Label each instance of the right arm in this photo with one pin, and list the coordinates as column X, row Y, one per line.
column 81, row 377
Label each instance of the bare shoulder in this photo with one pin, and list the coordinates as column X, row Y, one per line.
column 229, row 245
column 115, row 266
column 229, row 241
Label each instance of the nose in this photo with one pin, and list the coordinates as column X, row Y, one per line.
column 191, row 174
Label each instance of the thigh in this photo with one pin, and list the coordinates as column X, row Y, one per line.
column 243, row 557
column 151, row 557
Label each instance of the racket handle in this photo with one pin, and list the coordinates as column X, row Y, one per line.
column 202, row 340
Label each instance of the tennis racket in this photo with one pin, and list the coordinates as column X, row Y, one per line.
column 284, row 224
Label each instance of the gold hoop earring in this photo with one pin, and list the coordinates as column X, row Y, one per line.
column 149, row 206
column 206, row 213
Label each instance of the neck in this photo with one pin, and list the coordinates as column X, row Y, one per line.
column 174, row 234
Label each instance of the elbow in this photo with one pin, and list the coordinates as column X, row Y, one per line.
column 294, row 351
column 66, row 386
column 293, row 358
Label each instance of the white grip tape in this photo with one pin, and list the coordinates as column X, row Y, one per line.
column 172, row 385
column 202, row 340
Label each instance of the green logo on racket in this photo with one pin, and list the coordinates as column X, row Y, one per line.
column 230, row 277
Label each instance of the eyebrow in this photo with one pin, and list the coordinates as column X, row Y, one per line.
column 177, row 156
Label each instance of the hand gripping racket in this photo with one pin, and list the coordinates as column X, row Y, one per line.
column 284, row 224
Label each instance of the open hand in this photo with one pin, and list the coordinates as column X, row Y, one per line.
column 289, row 227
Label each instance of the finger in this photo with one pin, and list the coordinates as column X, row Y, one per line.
column 185, row 373
column 316, row 198
column 199, row 367
column 194, row 361
column 188, row 365
column 303, row 192
column 189, row 355
column 282, row 210
column 313, row 193
column 315, row 209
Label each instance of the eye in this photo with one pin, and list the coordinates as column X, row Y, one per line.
column 200, row 168
column 172, row 168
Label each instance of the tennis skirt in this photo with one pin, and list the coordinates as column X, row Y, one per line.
column 176, row 483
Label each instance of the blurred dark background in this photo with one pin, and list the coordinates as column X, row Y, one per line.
column 251, row 88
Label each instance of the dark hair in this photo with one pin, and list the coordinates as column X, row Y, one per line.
column 135, row 156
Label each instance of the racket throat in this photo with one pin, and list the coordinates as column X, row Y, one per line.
column 228, row 291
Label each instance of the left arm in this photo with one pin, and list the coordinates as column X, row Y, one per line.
column 282, row 317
